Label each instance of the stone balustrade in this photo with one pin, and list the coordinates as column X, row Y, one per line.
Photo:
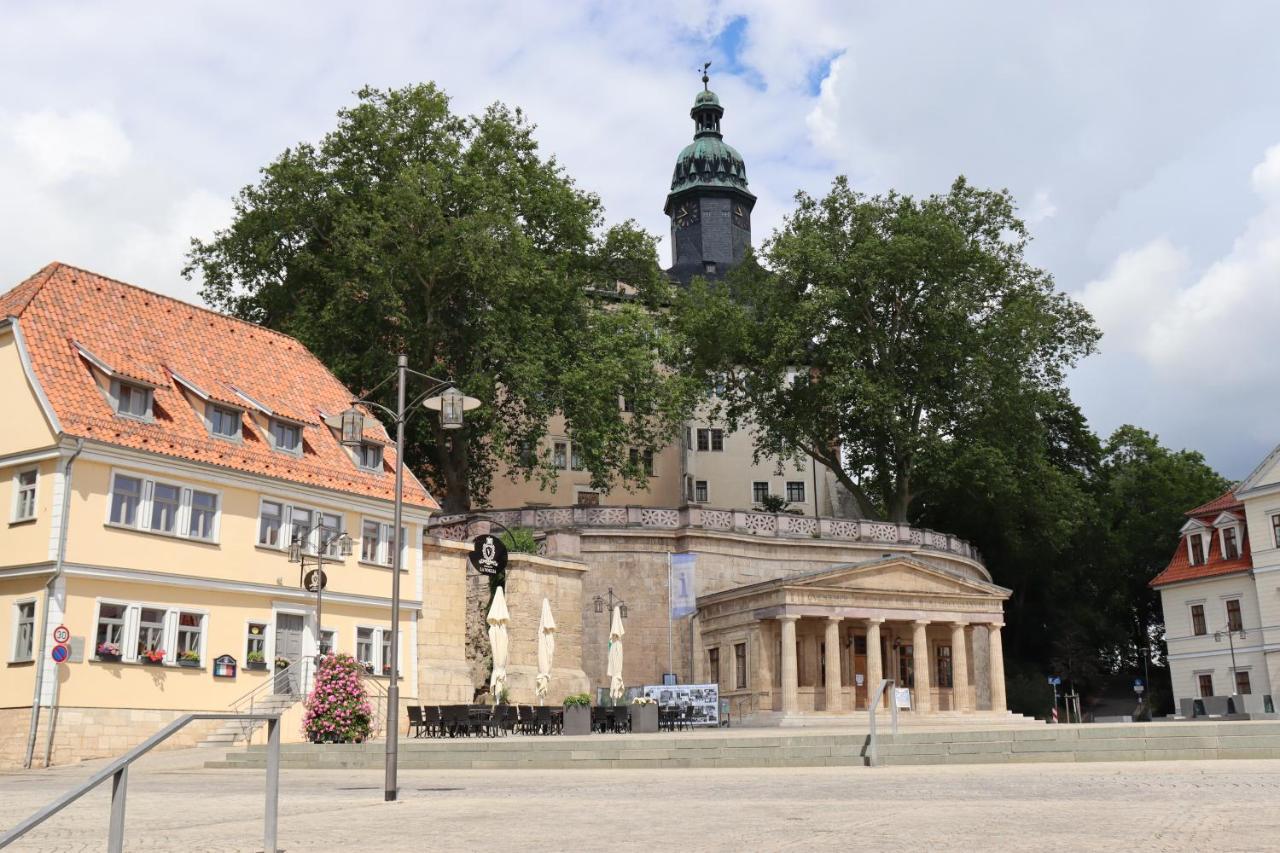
column 692, row 516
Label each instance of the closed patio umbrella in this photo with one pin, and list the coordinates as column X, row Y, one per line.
column 614, row 671
column 498, row 619
column 546, row 650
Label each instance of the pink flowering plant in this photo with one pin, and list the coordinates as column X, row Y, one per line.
column 337, row 710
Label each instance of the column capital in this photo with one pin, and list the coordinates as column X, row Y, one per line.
column 835, row 618
column 994, row 626
column 875, row 620
column 960, row 625
column 921, row 621
column 787, row 617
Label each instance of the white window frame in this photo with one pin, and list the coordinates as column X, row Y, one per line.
column 182, row 518
column 1274, row 518
column 1191, row 616
column 130, row 630
column 312, row 544
column 383, row 557
column 15, row 515
column 265, row 636
column 1204, row 548
column 14, row 657
column 201, row 630
column 381, row 637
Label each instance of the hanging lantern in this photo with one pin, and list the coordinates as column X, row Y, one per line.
column 352, row 427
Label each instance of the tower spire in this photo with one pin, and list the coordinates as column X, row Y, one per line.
column 705, row 79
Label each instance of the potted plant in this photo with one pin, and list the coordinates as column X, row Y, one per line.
column 108, row 651
column 256, row 661
column 644, row 714
column 153, row 657
column 281, row 663
column 190, row 658
column 577, row 714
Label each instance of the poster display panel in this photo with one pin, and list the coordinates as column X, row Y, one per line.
column 703, row 698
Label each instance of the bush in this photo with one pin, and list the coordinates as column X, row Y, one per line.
column 577, row 700
column 338, row 709
column 520, row 541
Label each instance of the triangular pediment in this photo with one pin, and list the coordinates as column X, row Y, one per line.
column 898, row 574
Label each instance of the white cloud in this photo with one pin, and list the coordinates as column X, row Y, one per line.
column 61, row 146
column 1134, row 291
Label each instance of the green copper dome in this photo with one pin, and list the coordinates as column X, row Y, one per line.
column 709, row 161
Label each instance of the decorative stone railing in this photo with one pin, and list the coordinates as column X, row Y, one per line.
column 776, row 525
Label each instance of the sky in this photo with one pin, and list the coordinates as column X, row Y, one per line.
column 1141, row 140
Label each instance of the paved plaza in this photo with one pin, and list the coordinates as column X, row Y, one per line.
column 174, row 804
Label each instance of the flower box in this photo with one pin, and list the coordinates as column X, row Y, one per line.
column 256, row 665
column 108, row 656
column 192, row 664
column 149, row 662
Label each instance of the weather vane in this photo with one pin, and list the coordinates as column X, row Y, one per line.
column 705, row 78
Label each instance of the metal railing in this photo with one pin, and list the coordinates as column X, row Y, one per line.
column 379, row 700
column 290, row 680
column 118, row 772
column 873, row 746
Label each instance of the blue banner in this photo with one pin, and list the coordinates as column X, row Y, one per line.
column 683, row 590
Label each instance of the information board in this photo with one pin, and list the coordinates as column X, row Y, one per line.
column 703, row 698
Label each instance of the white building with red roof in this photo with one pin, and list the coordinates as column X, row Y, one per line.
column 1221, row 595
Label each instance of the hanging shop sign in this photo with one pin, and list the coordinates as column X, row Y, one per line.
column 224, row 666
column 488, row 554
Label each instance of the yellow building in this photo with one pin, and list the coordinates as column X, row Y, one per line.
column 156, row 460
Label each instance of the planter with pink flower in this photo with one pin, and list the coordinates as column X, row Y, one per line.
column 337, row 709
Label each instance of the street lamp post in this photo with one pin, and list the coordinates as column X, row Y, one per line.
column 1231, row 642
column 600, row 601
column 444, row 398
column 298, row 554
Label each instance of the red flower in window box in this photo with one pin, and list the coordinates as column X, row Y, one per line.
column 153, row 656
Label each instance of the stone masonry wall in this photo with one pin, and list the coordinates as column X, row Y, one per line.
column 83, row 733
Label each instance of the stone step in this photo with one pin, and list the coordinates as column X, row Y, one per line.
column 769, row 748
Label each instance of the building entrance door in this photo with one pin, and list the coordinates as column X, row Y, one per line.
column 289, row 647
column 859, row 660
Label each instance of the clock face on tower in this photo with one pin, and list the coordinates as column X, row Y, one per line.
column 739, row 216
column 686, row 214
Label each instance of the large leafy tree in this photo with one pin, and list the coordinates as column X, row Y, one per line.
column 880, row 332
column 453, row 239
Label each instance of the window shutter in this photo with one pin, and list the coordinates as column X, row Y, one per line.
column 129, row 636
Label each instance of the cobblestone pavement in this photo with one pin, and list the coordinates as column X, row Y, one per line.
column 174, row 805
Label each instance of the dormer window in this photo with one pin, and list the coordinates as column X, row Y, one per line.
column 224, row 422
column 1230, row 545
column 369, row 456
column 1196, row 543
column 286, row 436
column 133, row 401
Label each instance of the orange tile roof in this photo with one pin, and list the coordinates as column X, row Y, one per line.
column 144, row 335
column 1180, row 568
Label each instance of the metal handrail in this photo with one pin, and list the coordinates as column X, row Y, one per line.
column 375, row 692
column 873, row 746
column 270, row 685
column 118, row 772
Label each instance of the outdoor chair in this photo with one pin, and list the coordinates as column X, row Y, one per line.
column 599, row 719
column 667, row 718
column 528, row 719
column 546, row 721
column 416, row 724
column 456, row 720
column 508, row 717
column 483, row 720
column 431, row 720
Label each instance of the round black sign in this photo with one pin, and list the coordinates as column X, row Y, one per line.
column 488, row 555
column 313, row 577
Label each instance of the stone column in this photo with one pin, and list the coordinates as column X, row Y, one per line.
column 875, row 671
column 996, row 669
column 920, row 660
column 790, row 677
column 809, row 661
column 833, row 664
column 959, row 668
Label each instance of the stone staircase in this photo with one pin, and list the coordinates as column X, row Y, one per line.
column 232, row 732
column 753, row 748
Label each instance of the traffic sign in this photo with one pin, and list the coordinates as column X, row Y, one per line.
column 60, row 653
column 314, row 577
column 1137, row 683
column 61, row 634
column 1055, row 680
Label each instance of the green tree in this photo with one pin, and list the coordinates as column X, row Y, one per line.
column 452, row 239
column 883, row 331
column 1144, row 491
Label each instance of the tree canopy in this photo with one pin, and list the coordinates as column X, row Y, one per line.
column 880, row 331
column 452, row 239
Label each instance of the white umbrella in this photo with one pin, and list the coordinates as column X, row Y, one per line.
column 498, row 645
column 546, row 650
column 616, row 687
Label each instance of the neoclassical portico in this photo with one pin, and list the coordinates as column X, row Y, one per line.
column 819, row 643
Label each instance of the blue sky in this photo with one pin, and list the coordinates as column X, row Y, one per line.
column 1139, row 138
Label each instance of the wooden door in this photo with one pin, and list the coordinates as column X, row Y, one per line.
column 289, row 646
